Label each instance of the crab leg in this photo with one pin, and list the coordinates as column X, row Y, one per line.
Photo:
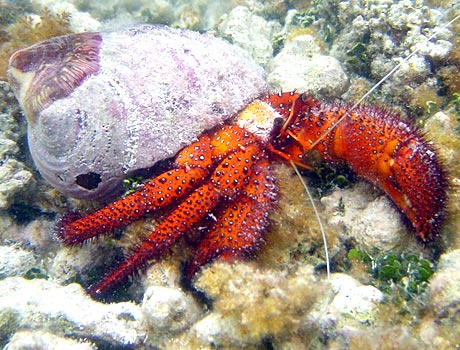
column 226, row 182
column 155, row 194
column 239, row 226
column 377, row 145
column 191, row 168
column 167, row 232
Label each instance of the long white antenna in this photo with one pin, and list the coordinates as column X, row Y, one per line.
column 323, row 232
column 380, row 82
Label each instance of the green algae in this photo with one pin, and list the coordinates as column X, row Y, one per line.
column 398, row 274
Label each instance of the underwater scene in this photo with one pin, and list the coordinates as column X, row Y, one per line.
column 229, row 174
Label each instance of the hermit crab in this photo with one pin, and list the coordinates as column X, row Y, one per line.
column 222, row 180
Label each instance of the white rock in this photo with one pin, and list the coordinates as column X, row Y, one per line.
column 439, row 120
column 41, row 304
column 348, row 304
column 251, row 32
column 217, row 330
column 7, row 146
column 168, row 310
column 252, row 303
column 415, row 69
column 13, row 178
column 443, row 292
column 372, row 222
column 8, row 228
column 79, row 21
column 164, row 273
column 300, row 66
column 39, row 340
column 15, row 261
column 14, row 175
column 354, row 299
column 441, row 130
column 39, row 235
column 302, row 45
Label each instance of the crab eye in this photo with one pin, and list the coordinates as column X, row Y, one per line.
column 278, row 122
column 89, row 181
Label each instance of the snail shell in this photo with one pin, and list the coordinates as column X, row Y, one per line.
column 100, row 106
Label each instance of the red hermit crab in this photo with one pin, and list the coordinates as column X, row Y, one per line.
column 223, row 180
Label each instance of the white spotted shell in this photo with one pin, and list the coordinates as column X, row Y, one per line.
column 100, row 106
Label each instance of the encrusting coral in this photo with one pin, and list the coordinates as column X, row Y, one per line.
column 275, row 305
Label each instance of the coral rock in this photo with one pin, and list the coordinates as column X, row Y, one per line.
column 40, row 340
column 443, row 292
column 40, row 304
column 168, row 310
column 15, row 261
column 372, row 222
column 348, row 306
column 300, row 66
column 251, row 32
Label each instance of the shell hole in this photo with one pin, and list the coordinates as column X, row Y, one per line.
column 89, row 181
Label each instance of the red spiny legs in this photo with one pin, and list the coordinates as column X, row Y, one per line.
column 225, row 173
column 223, row 181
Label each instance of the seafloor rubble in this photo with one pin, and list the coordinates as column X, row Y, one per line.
column 386, row 291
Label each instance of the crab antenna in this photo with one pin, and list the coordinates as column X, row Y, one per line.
column 323, row 232
column 380, row 82
column 294, row 166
